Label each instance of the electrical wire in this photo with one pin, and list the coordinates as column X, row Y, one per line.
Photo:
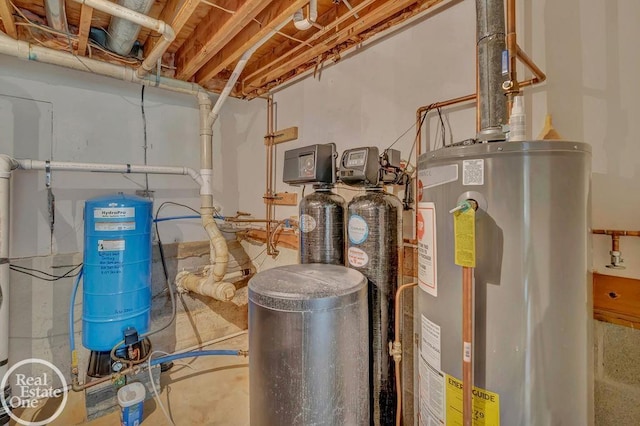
column 73, row 272
column 145, row 146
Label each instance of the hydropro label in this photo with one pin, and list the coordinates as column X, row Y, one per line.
column 114, row 213
column 357, row 257
column 307, row 223
column 358, row 229
column 115, row 226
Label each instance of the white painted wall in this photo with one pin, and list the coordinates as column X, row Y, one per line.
column 586, row 48
column 47, row 112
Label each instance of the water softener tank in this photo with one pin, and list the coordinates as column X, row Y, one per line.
column 375, row 237
column 308, row 337
column 322, row 227
column 117, row 269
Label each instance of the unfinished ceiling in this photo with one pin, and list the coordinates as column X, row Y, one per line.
column 212, row 35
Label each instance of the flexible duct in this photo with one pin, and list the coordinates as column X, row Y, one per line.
column 304, row 24
column 56, row 15
column 122, row 32
column 492, row 104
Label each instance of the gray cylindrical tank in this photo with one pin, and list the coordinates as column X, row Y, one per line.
column 308, row 334
column 533, row 303
column 322, row 227
column 375, row 236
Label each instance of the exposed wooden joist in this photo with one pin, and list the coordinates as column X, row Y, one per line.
column 86, row 13
column 330, row 22
column 349, row 33
column 213, row 33
column 6, row 13
column 277, row 12
column 176, row 13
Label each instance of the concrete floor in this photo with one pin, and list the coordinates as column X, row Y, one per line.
column 214, row 391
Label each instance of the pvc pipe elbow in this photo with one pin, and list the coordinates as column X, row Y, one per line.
column 304, row 24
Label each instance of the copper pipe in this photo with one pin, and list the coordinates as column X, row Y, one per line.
column 615, row 243
column 540, row 76
column 233, row 220
column 512, row 44
column 617, row 232
column 467, row 348
column 395, row 350
column 269, row 171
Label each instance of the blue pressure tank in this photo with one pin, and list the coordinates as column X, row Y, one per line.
column 117, row 269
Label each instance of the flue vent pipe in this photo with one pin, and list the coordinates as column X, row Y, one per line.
column 123, row 32
column 492, row 103
column 56, row 15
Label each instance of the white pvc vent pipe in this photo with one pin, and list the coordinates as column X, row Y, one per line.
column 304, row 24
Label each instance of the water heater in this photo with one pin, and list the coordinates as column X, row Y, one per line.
column 532, row 351
column 117, row 269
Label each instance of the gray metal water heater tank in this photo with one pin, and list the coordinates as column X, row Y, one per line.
column 308, row 346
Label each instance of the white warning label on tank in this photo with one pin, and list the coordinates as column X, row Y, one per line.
column 307, row 223
column 427, row 249
column 358, row 229
column 430, row 347
column 357, row 257
column 432, row 395
column 115, row 226
column 114, row 212
column 111, row 245
column 473, row 172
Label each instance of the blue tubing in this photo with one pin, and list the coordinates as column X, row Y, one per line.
column 173, row 357
column 164, row 219
column 72, row 340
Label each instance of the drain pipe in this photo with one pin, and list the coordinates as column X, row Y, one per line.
column 6, row 165
column 304, row 24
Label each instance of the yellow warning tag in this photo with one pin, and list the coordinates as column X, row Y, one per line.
column 464, row 228
column 486, row 405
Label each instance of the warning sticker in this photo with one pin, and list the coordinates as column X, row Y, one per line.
column 473, row 172
column 307, row 223
column 358, row 229
column 111, row 245
column 486, row 405
column 115, row 226
column 114, row 212
column 464, row 229
column 430, row 347
column 432, row 395
column 426, row 232
column 357, row 257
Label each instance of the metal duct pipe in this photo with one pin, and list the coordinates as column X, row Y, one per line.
column 491, row 101
column 56, row 15
column 122, row 32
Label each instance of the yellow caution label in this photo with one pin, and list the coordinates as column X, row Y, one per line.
column 464, row 228
column 486, row 405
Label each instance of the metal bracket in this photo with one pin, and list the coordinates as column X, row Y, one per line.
column 47, row 173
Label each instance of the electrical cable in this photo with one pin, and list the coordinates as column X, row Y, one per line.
column 73, row 272
column 195, row 354
column 145, row 146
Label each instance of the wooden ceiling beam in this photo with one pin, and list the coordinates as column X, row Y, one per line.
column 328, row 20
column 213, row 33
column 6, row 13
column 84, row 27
column 326, row 39
column 176, row 13
column 273, row 15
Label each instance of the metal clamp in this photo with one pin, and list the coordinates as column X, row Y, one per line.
column 47, row 175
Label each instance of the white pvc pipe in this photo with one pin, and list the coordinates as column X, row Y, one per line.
column 26, row 164
column 6, row 165
column 33, row 52
column 213, row 116
column 304, row 24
